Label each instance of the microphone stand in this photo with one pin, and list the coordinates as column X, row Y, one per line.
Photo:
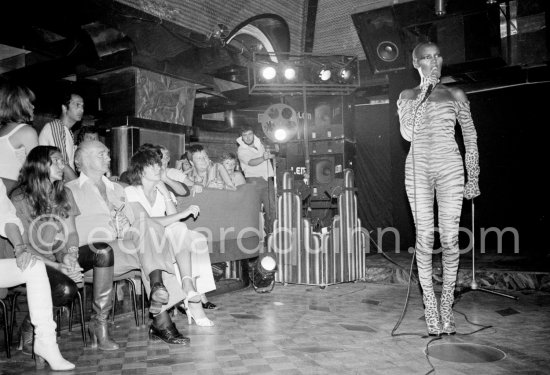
column 473, row 284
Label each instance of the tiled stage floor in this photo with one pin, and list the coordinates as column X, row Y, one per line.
column 342, row 329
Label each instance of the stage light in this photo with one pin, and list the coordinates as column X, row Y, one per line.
column 262, row 272
column 268, row 73
column 289, row 73
column 280, row 135
column 279, row 122
column 325, row 74
column 344, row 74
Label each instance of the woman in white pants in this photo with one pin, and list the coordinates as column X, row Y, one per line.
column 149, row 197
column 25, row 269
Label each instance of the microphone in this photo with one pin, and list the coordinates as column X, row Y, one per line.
column 428, row 92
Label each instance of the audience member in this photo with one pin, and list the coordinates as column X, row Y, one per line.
column 169, row 176
column 229, row 162
column 206, row 173
column 47, row 210
column 58, row 132
column 87, row 133
column 17, row 138
column 137, row 242
column 257, row 168
column 26, row 269
column 149, row 197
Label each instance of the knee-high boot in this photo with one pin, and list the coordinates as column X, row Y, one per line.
column 431, row 312
column 40, row 311
column 98, row 326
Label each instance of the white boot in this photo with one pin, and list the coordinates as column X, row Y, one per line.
column 39, row 297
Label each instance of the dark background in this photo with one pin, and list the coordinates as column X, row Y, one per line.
column 512, row 146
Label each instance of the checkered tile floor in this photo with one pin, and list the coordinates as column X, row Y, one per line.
column 342, row 329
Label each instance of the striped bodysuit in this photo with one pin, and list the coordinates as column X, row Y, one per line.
column 434, row 170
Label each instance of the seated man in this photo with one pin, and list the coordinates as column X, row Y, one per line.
column 136, row 243
column 206, row 173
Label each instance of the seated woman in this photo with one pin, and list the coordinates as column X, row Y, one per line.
column 206, row 173
column 149, row 197
column 47, row 210
column 169, row 176
column 26, row 269
column 229, row 162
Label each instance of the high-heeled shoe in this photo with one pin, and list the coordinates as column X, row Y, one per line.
column 46, row 350
column 159, row 296
column 201, row 322
column 446, row 309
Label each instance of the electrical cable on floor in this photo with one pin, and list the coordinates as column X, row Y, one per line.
column 383, row 253
column 432, row 370
column 483, row 327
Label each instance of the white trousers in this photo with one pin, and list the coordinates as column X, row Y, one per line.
column 182, row 241
column 39, row 295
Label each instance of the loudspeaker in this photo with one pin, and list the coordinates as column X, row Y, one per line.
column 332, row 118
column 327, row 168
column 380, row 36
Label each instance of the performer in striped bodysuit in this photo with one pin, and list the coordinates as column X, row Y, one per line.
column 428, row 115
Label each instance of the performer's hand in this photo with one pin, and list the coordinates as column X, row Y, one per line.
column 432, row 78
column 471, row 189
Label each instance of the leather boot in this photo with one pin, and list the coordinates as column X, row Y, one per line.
column 39, row 299
column 26, row 336
column 98, row 326
column 446, row 308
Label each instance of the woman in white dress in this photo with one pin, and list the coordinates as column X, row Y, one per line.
column 149, row 196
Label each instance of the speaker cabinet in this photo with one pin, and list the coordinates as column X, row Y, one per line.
column 380, row 36
column 327, row 168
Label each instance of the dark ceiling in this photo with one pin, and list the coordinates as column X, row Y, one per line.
column 47, row 43
column 63, row 40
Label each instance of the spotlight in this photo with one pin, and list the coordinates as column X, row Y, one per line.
column 344, row 75
column 325, row 74
column 289, row 73
column 262, row 272
column 280, row 135
column 268, row 73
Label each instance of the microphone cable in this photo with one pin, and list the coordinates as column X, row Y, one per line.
column 415, row 213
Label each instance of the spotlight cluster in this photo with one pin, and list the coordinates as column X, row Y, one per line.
column 290, row 73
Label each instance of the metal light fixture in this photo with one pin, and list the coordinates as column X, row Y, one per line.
column 262, row 272
column 324, row 74
column 289, row 73
column 440, row 8
column 279, row 122
column 268, row 73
